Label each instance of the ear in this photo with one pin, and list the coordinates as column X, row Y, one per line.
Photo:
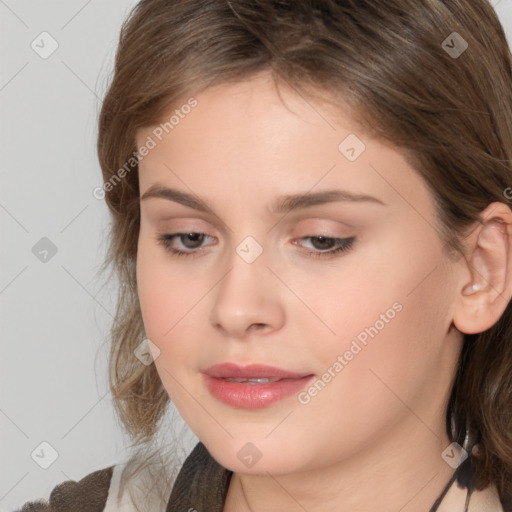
column 483, row 298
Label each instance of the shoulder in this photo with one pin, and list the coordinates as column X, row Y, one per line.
column 90, row 494
column 486, row 500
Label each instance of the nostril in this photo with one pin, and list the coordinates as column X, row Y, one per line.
column 257, row 326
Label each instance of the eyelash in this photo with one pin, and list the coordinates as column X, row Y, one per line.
column 343, row 245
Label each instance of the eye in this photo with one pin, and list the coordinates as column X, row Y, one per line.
column 191, row 241
column 328, row 246
column 323, row 247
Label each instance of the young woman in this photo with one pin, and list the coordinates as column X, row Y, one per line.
column 312, row 234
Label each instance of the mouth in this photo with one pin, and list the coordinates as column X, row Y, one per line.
column 254, row 386
column 253, row 380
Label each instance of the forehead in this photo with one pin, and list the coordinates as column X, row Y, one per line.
column 247, row 138
column 257, row 103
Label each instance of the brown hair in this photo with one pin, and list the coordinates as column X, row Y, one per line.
column 451, row 115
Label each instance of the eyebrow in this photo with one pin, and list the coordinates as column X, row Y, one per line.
column 282, row 205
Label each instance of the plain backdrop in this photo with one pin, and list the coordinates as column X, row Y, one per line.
column 55, row 406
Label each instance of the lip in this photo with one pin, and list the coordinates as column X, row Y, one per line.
column 253, row 395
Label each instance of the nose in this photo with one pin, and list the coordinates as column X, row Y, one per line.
column 247, row 299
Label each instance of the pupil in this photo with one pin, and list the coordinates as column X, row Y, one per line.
column 325, row 243
column 195, row 237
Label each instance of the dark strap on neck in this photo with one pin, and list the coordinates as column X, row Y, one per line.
column 201, row 484
column 464, row 476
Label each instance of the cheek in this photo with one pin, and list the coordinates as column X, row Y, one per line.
column 174, row 302
column 355, row 298
column 165, row 296
column 166, row 302
column 388, row 309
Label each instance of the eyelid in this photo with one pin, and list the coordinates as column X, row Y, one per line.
column 198, row 222
column 166, row 238
column 320, row 225
column 342, row 245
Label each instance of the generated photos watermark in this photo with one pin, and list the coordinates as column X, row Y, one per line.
column 150, row 143
column 356, row 346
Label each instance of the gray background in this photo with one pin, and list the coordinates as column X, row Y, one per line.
column 54, row 316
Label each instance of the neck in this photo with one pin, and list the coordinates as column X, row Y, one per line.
column 403, row 471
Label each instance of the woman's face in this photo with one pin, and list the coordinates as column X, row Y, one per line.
column 363, row 337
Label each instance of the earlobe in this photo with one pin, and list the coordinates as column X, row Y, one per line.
column 470, row 289
column 485, row 296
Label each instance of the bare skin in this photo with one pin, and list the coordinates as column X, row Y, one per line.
column 372, row 437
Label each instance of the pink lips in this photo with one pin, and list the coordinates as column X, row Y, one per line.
column 254, row 386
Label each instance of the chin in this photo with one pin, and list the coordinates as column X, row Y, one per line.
column 258, row 457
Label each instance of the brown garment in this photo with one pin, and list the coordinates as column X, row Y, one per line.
column 201, row 485
column 87, row 495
